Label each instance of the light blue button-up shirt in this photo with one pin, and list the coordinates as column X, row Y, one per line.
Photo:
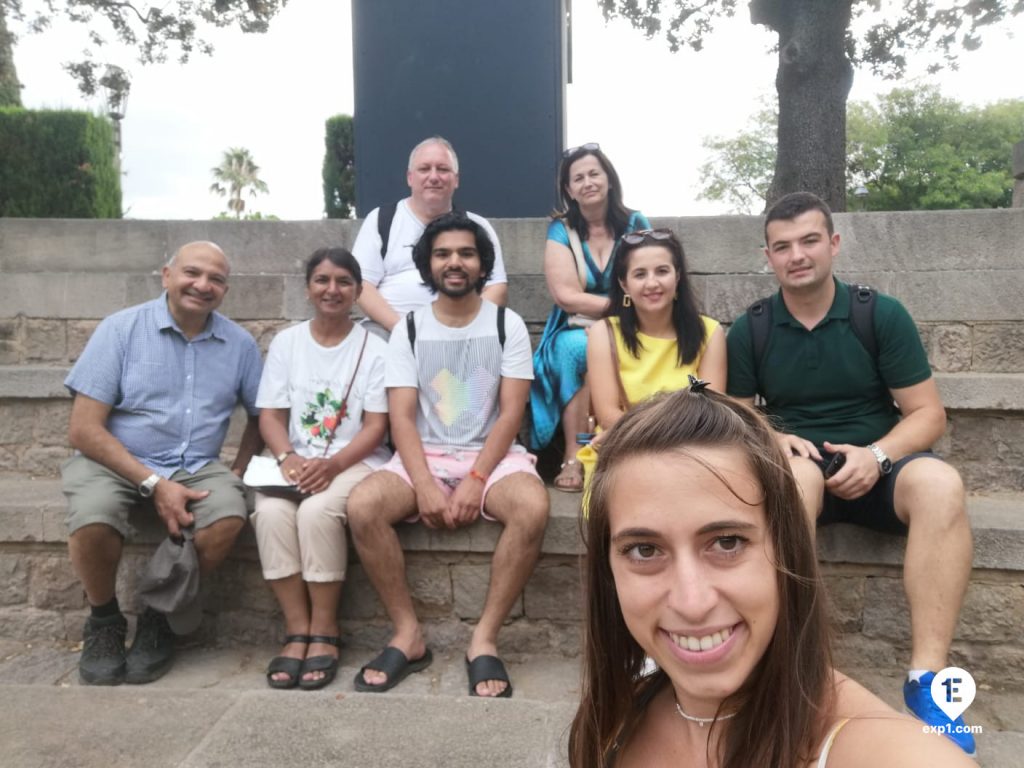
column 171, row 397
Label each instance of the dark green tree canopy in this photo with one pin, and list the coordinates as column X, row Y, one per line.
column 817, row 51
column 912, row 149
column 339, row 169
column 155, row 30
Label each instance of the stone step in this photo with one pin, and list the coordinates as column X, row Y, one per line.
column 449, row 572
column 224, row 710
column 971, row 391
column 32, row 510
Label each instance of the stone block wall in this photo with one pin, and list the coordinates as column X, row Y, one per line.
column 960, row 273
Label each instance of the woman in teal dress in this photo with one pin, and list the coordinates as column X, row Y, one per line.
column 581, row 244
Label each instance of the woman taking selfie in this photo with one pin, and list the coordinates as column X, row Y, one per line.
column 324, row 417
column 711, row 573
column 582, row 240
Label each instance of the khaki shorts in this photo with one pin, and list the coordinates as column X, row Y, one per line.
column 97, row 495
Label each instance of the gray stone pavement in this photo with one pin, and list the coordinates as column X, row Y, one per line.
column 213, row 709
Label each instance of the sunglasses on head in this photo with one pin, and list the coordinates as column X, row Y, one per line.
column 635, row 238
column 592, row 146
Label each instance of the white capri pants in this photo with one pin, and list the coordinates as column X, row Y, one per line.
column 307, row 537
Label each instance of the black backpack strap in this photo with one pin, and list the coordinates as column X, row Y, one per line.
column 759, row 316
column 410, row 327
column 385, row 215
column 501, row 326
column 862, row 317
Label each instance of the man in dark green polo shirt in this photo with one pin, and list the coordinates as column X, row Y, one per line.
column 829, row 395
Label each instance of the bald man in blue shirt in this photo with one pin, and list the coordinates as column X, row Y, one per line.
column 153, row 394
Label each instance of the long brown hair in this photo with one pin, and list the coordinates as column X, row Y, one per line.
column 686, row 320
column 783, row 706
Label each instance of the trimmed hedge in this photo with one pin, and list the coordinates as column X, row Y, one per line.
column 57, row 164
column 339, row 168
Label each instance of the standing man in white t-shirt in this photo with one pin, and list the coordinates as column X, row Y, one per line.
column 458, row 376
column 392, row 286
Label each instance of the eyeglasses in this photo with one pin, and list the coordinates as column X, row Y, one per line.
column 640, row 235
column 589, row 147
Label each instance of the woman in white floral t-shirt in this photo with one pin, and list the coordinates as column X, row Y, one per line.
column 324, row 418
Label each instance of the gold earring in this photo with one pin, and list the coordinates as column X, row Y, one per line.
column 626, row 301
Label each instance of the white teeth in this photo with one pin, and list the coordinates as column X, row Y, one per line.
column 705, row 643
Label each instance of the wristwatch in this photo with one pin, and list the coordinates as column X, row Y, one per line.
column 146, row 486
column 884, row 463
column 282, row 456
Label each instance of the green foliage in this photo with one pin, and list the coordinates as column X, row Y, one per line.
column 820, row 41
column 339, row 173
column 740, row 169
column 916, row 150
column 913, row 150
column 10, row 88
column 889, row 29
column 153, row 29
column 57, row 164
column 237, row 173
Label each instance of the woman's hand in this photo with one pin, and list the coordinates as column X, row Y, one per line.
column 316, row 475
column 291, row 468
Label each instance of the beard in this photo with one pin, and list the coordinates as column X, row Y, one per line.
column 457, row 292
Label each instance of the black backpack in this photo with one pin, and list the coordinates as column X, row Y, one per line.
column 410, row 326
column 386, row 215
column 862, row 314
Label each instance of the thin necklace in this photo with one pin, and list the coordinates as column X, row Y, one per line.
column 701, row 721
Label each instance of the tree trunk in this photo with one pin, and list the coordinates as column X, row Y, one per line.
column 10, row 88
column 813, row 82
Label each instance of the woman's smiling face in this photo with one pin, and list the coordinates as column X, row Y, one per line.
column 332, row 290
column 693, row 568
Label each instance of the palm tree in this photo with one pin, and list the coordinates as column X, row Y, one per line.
column 236, row 173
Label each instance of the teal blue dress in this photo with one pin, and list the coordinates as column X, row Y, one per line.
column 560, row 361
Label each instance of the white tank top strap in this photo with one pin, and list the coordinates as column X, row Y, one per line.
column 827, row 746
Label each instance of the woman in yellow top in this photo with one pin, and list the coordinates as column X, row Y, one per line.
column 660, row 336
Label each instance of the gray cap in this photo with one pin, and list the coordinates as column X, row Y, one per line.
column 170, row 583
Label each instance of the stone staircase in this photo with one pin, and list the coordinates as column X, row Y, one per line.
column 960, row 273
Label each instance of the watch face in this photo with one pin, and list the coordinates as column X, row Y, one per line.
column 147, row 486
column 886, row 467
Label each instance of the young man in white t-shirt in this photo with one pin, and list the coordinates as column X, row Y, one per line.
column 456, row 394
column 392, row 285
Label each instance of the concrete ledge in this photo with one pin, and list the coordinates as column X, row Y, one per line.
column 982, row 391
column 32, row 511
column 997, row 522
column 960, row 391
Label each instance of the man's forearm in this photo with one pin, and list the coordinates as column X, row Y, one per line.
column 250, row 444
column 498, row 442
column 496, row 294
column 918, row 431
column 98, row 444
column 410, row 449
column 376, row 308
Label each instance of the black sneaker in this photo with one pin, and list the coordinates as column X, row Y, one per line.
column 103, row 661
column 152, row 649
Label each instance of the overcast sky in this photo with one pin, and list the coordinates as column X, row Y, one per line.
column 271, row 94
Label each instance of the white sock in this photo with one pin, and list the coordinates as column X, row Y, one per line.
column 915, row 675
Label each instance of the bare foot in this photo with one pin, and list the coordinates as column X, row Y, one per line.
column 486, row 688
column 290, row 651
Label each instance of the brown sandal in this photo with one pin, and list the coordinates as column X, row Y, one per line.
column 570, row 479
